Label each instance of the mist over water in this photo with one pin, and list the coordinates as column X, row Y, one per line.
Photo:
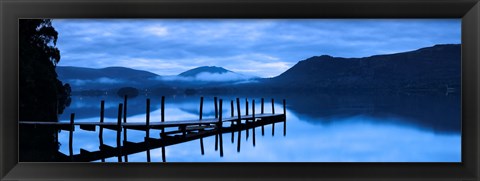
column 320, row 128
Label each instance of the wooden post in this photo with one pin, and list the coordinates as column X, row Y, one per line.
column 216, row 106
column 163, row 150
column 162, row 111
column 246, row 106
column 285, row 114
column 261, row 112
column 201, row 107
column 216, row 117
column 147, row 129
column 119, row 130
column 147, row 140
column 147, row 118
column 148, row 154
column 261, row 106
column 216, row 142
column 273, row 106
column 220, row 127
column 238, row 112
column 231, row 109
column 125, row 108
column 102, row 115
column 70, row 138
column 125, row 117
column 201, row 115
column 239, row 121
column 273, row 112
column 232, row 114
column 163, row 154
column 201, row 146
column 246, row 120
column 253, row 121
column 125, row 121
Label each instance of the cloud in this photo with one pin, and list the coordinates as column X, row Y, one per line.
column 211, row 77
column 263, row 48
column 101, row 80
column 228, row 76
column 157, row 31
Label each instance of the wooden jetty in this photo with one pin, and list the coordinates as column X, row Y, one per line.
column 187, row 130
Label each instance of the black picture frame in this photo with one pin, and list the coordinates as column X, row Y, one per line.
column 468, row 10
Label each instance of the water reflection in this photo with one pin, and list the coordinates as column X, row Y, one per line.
column 321, row 128
column 438, row 113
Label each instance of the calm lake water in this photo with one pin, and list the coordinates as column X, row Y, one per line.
column 320, row 128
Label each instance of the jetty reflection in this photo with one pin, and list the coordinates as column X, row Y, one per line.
column 171, row 132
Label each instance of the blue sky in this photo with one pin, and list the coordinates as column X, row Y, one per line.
column 259, row 47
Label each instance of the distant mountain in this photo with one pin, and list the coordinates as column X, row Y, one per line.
column 92, row 81
column 81, row 78
column 434, row 67
column 69, row 72
column 207, row 75
column 205, row 69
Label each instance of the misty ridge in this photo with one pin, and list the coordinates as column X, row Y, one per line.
column 435, row 68
column 209, row 74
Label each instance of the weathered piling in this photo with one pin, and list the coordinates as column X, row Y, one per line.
column 261, row 112
column 119, row 130
column 148, row 151
column 246, row 121
column 231, row 109
column 125, row 117
column 216, row 117
column 285, row 121
column 273, row 106
column 201, row 146
column 239, row 121
column 239, row 115
column 273, row 112
column 201, row 108
column 232, row 114
column 147, row 119
column 162, row 112
column 147, row 131
column 201, row 115
column 148, row 155
column 253, row 121
column 246, row 106
column 216, row 142
column 100, row 132
column 220, row 127
column 70, row 137
column 215, row 102
column 125, row 121
column 262, row 106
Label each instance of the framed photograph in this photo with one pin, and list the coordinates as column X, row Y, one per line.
column 240, row 90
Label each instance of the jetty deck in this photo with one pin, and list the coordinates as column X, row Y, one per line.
column 188, row 130
column 153, row 125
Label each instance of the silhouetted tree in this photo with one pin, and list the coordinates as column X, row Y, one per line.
column 42, row 95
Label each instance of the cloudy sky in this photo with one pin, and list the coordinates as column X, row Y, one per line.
column 262, row 48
